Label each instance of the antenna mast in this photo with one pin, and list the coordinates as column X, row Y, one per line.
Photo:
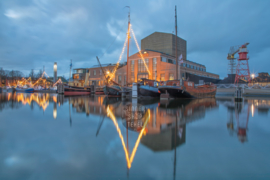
column 176, row 55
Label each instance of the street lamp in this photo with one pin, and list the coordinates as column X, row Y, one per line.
column 253, row 76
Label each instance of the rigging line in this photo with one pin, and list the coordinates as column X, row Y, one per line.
column 113, row 40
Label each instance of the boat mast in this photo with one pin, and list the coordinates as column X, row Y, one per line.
column 176, row 55
column 128, row 44
column 70, row 71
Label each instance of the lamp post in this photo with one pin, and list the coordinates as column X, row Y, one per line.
column 253, row 75
column 55, row 72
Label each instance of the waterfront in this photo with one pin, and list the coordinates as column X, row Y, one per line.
column 47, row 136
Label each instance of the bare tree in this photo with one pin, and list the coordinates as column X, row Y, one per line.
column 39, row 74
column 32, row 74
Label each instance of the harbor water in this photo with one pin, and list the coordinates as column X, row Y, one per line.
column 50, row 136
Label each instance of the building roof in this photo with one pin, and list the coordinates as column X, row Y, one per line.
column 79, row 68
column 103, row 65
column 164, row 33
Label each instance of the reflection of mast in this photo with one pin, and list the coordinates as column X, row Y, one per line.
column 100, row 124
column 70, row 120
column 175, row 134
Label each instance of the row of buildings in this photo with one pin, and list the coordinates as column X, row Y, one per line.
column 158, row 50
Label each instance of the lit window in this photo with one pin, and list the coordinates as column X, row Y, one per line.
column 171, row 77
column 162, row 77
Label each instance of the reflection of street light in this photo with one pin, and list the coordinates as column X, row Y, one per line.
column 108, row 72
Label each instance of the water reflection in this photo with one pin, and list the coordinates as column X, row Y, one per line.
column 239, row 112
column 159, row 126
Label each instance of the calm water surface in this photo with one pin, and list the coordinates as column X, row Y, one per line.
column 46, row 136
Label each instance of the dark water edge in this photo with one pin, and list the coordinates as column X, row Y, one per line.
column 47, row 136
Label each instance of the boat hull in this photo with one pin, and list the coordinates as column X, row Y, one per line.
column 73, row 91
column 111, row 91
column 147, row 91
column 180, row 92
column 29, row 90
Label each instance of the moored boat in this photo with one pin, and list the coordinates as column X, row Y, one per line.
column 188, row 90
column 74, row 91
column 148, row 88
column 112, row 90
column 99, row 91
column 25, row 90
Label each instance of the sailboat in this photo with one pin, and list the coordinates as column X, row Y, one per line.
column 178, row 89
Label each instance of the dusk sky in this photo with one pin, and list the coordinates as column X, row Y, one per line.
column 38, row 33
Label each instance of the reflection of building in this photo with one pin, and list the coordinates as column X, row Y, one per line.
column 166, row 140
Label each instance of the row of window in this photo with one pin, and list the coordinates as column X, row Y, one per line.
column 96, row 71
column 193, row 67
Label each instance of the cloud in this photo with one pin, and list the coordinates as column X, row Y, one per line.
column 40, row 32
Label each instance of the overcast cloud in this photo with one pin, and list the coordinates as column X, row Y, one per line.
column 38, row 33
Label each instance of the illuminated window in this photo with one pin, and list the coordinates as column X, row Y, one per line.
column 154, row 68
column 141, row 66
column 171, row 77
column 140, row 76
column 162, row 77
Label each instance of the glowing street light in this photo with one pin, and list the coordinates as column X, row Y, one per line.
column 252, row 75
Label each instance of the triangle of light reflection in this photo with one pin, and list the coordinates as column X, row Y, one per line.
column 129, row 159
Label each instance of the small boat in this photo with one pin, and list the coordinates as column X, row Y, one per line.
column 99, row 91
column 25, row 90
column 73, row 91
column 148, row 88
column 112, row 90
column 188, row 90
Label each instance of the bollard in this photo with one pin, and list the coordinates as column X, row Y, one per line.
column 238, row 94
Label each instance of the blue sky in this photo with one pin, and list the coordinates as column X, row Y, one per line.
column 38, row 33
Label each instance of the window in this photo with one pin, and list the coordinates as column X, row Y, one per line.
column 171, row 61
column 132, row 66
column 154, row 68
column 132, row 77
column 162, row 77
column 141, row 66
column 171, row 76
column 183, row 75
column 119, row 79
column 125, row 80
column 100, row 72
column 163, row 59
column 140, row 76
column 94, row 72
column 89, row 73
column 188, row 65
column 184, row 64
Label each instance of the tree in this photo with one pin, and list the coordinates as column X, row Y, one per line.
column 39, row 74
column 32, row 74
